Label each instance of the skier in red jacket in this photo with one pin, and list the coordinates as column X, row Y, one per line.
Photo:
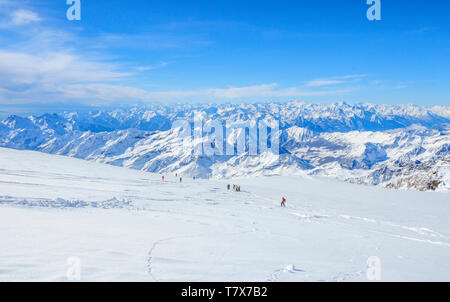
column 283, row 202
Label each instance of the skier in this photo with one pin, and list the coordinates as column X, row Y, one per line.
column 163, row 178
column 228, row 187
column 181, row 179
column 283, row 202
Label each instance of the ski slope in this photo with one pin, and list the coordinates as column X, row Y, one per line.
column 128, row 225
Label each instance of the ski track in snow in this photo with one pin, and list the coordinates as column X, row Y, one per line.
column 291, row 269
column 199, row 231
column 150, row 256
column 417, row 230
column 61, row 203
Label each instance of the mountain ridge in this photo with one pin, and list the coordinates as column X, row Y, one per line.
column 402, row 146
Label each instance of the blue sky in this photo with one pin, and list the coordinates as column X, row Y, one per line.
column 126, row 52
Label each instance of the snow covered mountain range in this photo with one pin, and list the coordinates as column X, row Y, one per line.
column 401, row 146
column 127, row 225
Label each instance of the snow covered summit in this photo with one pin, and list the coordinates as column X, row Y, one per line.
column 405, row 147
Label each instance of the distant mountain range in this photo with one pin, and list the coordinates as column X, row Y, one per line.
column 400, row 146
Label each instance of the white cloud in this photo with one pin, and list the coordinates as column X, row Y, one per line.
column 153, row 67
column 60, row 75
column 401, row 86
column 335, row 80
column 266, row 90
column 24, row 17
column 322, row 82
column 41, row 67
column 105, row 92
column 148, row 41
column 119, row 92
column 5, row 2
column 46, row 77
column 59, row 67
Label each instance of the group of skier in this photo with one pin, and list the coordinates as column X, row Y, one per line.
column 181, row 178
column 236, row 188
column 176, row 175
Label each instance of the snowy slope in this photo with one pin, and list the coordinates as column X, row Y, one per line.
column 128, row 225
